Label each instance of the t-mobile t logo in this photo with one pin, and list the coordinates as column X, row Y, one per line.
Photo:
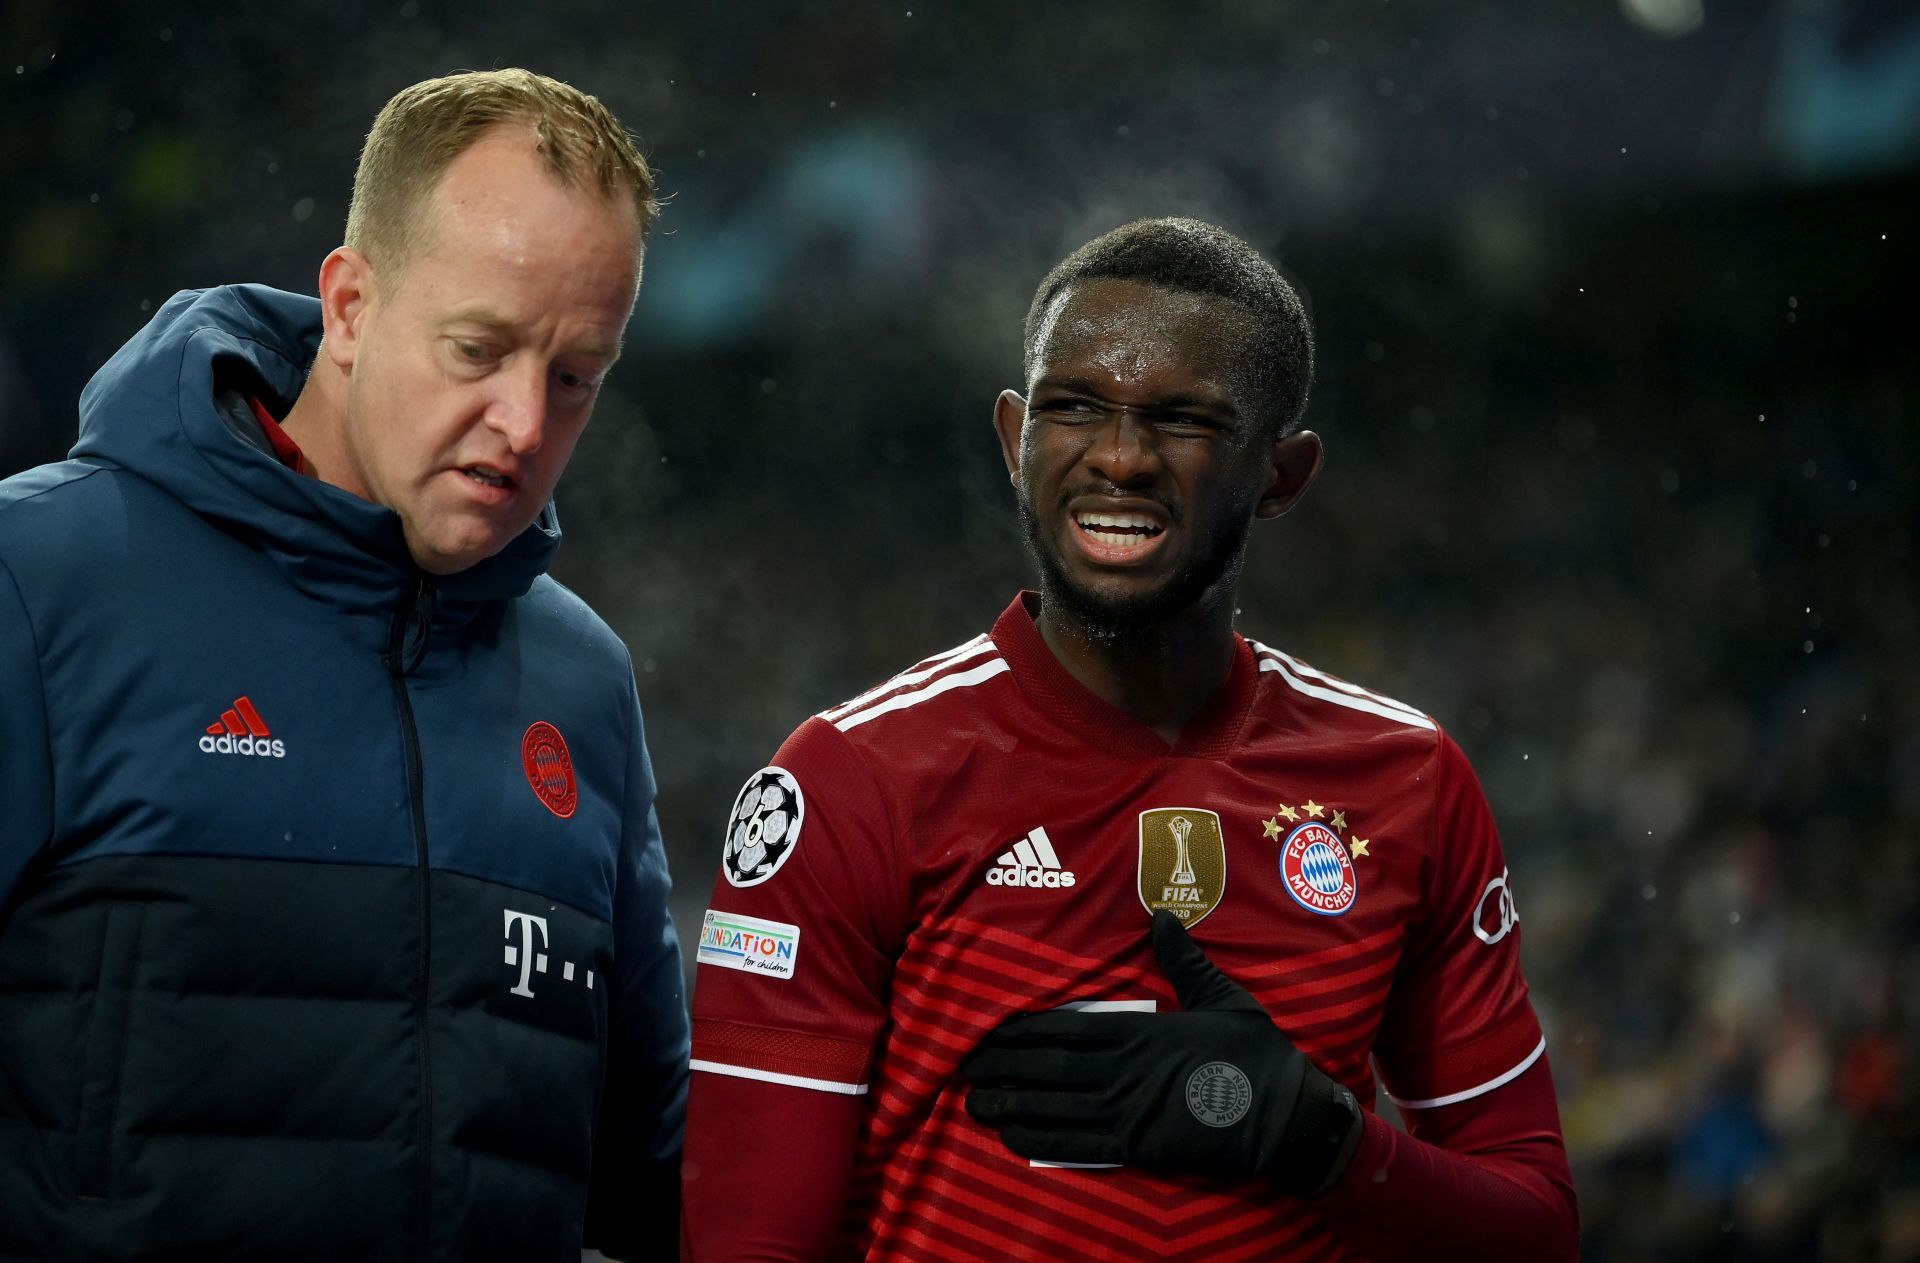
column 524, row 955
column 530, row 960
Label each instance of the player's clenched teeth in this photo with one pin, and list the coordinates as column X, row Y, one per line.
column 1119, row 530
column 479, row 473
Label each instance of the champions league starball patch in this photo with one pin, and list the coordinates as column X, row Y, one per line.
column 764, row 826
column 1317, row 870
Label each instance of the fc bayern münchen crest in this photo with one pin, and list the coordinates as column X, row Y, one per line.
column 764, row 826
column 549, row 768
column 1219, row 1094
column 1317, row 870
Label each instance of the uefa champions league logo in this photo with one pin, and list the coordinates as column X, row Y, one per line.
column 763, row 827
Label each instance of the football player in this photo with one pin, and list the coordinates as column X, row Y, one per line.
column 1083, row 939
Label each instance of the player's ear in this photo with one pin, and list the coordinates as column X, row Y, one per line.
column 1295, row 463
column 347, row 296
column 1009, row 416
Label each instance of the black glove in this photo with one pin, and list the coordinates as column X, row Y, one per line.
column 1216, row 1090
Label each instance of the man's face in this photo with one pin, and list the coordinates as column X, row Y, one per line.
column 1141, row 456
column 473, row 373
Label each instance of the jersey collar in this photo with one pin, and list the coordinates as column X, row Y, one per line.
column 1210, row 734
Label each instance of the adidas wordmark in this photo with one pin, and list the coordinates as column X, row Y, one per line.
column 1031, row 862
column 240, row 730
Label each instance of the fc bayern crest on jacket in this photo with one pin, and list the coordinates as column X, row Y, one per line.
column 1183, row 862
column 549, row 768
column 764, row 826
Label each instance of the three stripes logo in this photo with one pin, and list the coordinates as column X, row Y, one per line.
column 1032, row 863
column 240, row 730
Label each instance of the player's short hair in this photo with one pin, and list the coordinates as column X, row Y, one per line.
column 419, row 133
column 1194, row 257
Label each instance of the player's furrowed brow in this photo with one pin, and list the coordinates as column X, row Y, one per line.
column 1217, row 404
column 1077, row 385
column 1220, row 405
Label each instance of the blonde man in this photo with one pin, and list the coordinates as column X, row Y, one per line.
column 332, row 900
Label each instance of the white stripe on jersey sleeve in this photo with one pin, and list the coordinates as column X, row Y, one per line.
column 899, row 701
column 913, row 675
column 1397, row 712
column 769, row 1076
column 1453, row 1098
column 1346, row 686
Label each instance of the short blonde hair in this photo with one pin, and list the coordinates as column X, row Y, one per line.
column 419, row 133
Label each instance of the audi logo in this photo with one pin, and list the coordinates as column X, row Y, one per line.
column 1502, row 913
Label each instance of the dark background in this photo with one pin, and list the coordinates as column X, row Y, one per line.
column 1617, row 379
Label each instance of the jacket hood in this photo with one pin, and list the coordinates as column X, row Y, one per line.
column 151, row 410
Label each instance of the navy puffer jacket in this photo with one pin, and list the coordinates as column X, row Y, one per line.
column 332, row 902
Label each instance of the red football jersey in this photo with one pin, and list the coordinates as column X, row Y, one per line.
column 981, row 837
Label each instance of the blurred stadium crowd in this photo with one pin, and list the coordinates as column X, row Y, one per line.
column 1619, row 407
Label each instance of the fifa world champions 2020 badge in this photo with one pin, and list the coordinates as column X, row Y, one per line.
column 1183, row 862
column 764, row 826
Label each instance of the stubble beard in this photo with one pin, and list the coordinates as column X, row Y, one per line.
column 1136, row 619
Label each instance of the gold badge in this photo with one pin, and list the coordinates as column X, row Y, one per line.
column 1183, row 861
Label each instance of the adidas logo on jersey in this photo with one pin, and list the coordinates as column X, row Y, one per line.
column 1031, row 862
column 240, row 730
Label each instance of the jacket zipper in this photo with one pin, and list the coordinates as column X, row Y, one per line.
column 398, row 667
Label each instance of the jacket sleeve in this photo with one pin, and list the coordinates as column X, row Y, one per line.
column 633, row 1201
column 26, row 765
